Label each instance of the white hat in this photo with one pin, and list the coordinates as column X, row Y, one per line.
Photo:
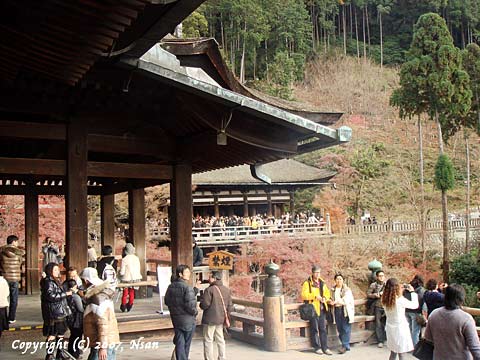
column 91, row 275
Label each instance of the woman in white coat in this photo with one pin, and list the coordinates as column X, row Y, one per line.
column 129, row 273
column 399, row 340
column 344, row 311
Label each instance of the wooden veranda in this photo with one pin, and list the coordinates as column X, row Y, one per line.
column 81, row 114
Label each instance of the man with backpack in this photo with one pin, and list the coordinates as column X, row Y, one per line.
column 316, row 292
column 107, row 266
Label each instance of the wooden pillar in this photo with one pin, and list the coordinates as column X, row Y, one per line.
column 136, row 228
column 269, row 203
column 274, row 324
column 181, row 215
column 76, row 200
column 292, row 204
column 245, row 204
column 216, row 209
column 107, row 211
column 32, row 274
column 276, row 211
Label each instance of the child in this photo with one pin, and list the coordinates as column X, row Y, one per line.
column 4, row 294
column 75, row 321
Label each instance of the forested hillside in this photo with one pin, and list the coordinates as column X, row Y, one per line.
column 273, row 39
column 345, row 56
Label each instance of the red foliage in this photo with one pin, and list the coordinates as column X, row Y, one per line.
column 295, row 258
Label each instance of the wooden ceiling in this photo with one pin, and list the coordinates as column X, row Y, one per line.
column 63, row 40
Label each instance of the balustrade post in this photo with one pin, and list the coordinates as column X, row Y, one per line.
column 274, row 333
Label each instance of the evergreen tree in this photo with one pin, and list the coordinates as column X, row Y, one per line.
column 433, row 82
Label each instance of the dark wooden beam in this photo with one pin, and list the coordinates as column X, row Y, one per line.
column 136, row 219
column 32, row 273
column 107, row 208
column 32, row 130
column 181, row 216
column 163, row 147
column 133, row 171
column 76, row 199
column 22, row 166
column 32, row 166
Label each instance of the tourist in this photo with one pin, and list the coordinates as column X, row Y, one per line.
column 100, row 326
column 182, row 304
column 315, row 291
column 104, row 260
column 197, row 253
column 4, row 293
column 374, row 305
column 51, row 253
column 433, row 296
column 216, row 304
column 343, row 311
column 11, row 258
column 414, row 316
column 451, row 330
column 74, row 321
column 72, row 274
column 54, row 310
column 399, row 339
column 91, row 257
column 129, row 273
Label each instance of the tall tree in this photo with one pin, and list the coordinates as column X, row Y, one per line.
column 383, row 7
column 439, row 88
column 471, row 62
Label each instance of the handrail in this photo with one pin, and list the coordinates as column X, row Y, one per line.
column 471, row 311
column 408, row 226
column 248, row 303
column 237, row 233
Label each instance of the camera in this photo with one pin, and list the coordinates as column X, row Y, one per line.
column 405, row 286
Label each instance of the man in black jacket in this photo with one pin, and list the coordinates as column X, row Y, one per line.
column 182, row 304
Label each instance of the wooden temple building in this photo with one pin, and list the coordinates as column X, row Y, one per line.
column 234, row 191
column 81, row 113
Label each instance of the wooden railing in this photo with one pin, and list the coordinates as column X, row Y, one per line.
column 403, row 227
column 247, row 233
column 297, row 331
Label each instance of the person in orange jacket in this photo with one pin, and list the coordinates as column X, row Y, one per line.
column 315, row 291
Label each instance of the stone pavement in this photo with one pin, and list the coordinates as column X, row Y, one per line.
column 163, row 350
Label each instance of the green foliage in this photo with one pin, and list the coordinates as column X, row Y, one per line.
column 282, row 74
column 465, row 269
column 432, row 80
column 253, row 32
column 444, row 173
column 194, row 26
column 471, row 62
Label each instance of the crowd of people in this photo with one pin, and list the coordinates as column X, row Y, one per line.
column 403, row 313
column 83, row 303
column 256, row 221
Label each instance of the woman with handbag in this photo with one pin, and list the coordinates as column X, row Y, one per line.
column 451, row 330
column 399, row 340
column 54, row 311
column 343, row 311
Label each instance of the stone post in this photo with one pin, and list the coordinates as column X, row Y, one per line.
column 273, row 311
